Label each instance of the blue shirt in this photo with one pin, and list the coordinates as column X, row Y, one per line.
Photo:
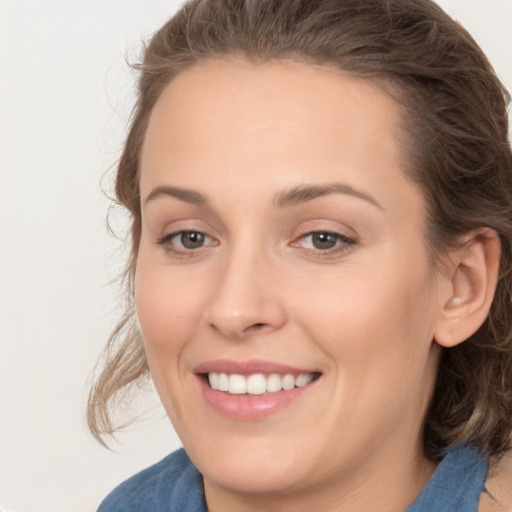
column 175, row 485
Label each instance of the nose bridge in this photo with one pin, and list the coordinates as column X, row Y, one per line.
column 245, row 297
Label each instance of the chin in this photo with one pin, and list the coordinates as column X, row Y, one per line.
column 250, row 466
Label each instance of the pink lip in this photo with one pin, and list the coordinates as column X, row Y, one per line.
column 248, row 367
column 249, row 407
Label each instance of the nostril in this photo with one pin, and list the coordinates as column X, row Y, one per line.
column 258, row 326
column 255, row 327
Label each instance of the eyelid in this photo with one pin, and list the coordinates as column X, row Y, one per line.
column 169, row 227
column 341, row 236
column 325, row 224
column 166, row 242
column 342, row 245
column 172, row 234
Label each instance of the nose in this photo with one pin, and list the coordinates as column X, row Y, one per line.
column 246, row 299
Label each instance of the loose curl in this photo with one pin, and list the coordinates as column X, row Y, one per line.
column 456, row 149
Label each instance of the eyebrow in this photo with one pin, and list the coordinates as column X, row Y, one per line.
column 305, row 193
column 183, row 194
column 284, row 199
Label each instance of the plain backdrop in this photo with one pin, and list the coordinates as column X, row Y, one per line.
column 65, row 97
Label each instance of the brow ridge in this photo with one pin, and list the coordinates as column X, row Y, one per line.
column 286, row 198
column 305, row 193
column 183, row 194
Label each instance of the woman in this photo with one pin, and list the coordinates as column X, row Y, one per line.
column 320, row 276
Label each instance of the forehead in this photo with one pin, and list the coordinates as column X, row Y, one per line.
column 275, row 124
column 218, row 97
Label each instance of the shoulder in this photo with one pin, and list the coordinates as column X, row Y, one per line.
column 173, row 482
column 498, row 485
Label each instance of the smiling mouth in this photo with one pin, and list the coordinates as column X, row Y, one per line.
column 257, row 383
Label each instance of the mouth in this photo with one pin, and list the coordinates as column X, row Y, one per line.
column 253, row 390
column 257, row 383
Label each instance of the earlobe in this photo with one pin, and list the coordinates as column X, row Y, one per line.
column 473, row 276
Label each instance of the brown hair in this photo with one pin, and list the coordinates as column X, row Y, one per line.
column 458, row 153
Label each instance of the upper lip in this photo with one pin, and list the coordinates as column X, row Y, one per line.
column 248, row 367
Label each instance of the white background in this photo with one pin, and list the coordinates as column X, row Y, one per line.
column 65, row 97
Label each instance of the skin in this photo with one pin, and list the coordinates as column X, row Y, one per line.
column 499, row 491
column 364, row 313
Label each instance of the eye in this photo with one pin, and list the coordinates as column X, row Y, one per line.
column 325, row 241
column 190, row 239
column 184, row 241
column 322, row 241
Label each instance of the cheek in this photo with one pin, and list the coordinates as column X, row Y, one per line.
column 378, row 336
column 379, row 320
column 169, row 311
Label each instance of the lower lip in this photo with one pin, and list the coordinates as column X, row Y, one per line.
column 250, row 407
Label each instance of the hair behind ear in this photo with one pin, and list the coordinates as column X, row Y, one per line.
column 472, row 400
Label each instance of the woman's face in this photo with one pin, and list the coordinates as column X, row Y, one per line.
column 283, row 258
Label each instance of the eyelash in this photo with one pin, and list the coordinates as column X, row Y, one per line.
column 166, row 242
column 342, row 243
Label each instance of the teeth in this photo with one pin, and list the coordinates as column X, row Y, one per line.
column 303, row 379
column 237, row 384
column 288, row 382
column 213, row 379
column 274, row 383
column 223, row 382
column 257, row 384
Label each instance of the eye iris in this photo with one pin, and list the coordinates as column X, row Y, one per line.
column 324, row 240
column 192, row 240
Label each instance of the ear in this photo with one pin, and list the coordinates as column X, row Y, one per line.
column 471, row 282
